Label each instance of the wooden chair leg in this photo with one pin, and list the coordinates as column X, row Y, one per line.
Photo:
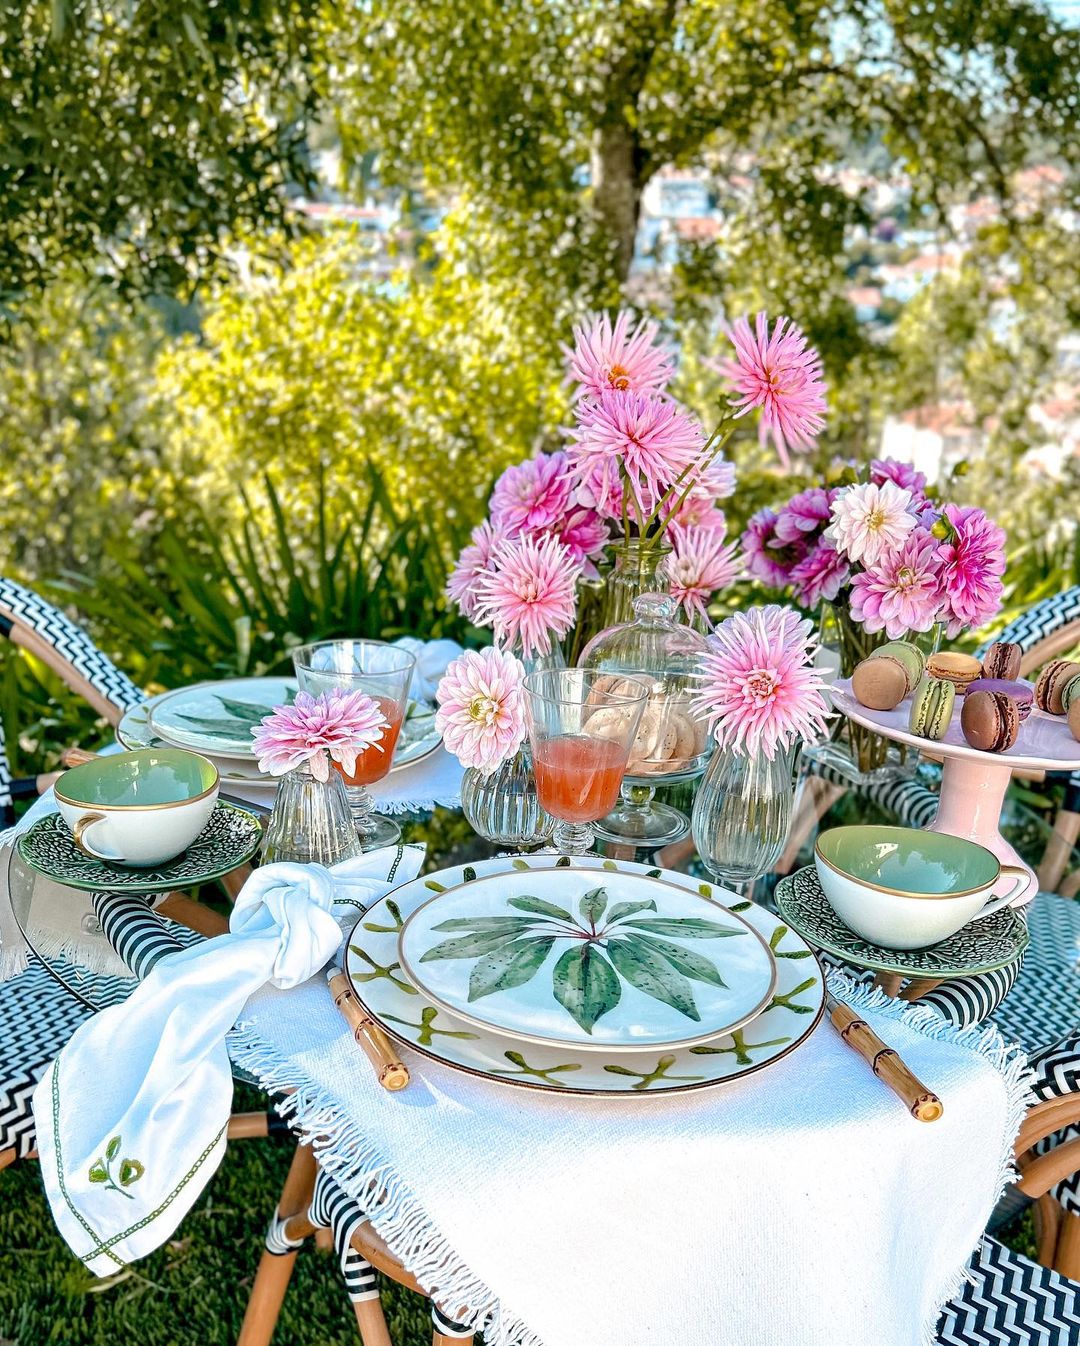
column 371, row 1323
column 1058, row 853
column 275, row 1269
column 1067, row 1257
column 6, row 1157
column 438, row 1339
column 816, row 798
column 889, row 982
column 324, row 1240
column 1046, row 1214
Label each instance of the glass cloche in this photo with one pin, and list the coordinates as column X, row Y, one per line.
column 672, row 743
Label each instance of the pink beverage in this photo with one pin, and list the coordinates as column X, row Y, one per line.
column 373, row 763
column 577, row 777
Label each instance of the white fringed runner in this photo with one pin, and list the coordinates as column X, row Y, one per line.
column 801, row 1206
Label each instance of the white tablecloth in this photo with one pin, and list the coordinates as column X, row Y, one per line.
column 801, row 1206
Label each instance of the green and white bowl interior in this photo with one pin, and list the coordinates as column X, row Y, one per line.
column 907, row 860
column 150, row 777
column 617, row 962
column 372, row 964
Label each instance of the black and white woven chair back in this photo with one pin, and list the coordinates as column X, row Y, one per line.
column 1042, row 619
column 72, row 644
column 1011, row 1301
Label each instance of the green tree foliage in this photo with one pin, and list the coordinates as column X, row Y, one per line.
column 138, row 134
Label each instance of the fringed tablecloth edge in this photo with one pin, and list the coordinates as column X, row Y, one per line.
column 345, row 1153
column 1008, row 1059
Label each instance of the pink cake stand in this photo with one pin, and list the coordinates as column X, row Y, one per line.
column 973, row 783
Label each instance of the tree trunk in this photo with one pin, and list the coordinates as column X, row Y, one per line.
column 617, row 190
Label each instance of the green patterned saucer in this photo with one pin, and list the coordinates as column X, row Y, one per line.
column 371, row 963
column 981, row 946
column 229, row 839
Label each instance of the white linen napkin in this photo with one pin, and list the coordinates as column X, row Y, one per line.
column 433, row 657
column 131, row 1116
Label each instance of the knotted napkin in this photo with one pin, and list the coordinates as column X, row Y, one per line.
column 131, row 1116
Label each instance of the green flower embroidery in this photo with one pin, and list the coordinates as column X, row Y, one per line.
column 130, row 1170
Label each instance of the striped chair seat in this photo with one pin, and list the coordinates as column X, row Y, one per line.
column 1008, row 1300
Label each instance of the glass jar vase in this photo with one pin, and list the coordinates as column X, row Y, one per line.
column 503, row 807
column 742, row 813
column 311, row 822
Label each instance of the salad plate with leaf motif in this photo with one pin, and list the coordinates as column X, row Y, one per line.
column 409, row 1016
column 564, row 957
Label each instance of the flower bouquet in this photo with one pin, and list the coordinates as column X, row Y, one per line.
column 635, row 493
column 886, row 559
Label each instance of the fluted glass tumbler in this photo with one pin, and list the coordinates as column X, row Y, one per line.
column 581, row 732
column 742, row 813
column 384, row 672
column 310, row 823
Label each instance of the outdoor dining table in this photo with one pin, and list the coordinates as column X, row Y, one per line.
column 799, row 1204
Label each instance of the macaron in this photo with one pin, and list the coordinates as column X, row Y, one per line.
column 879, row 683
column 1019, row 692
column 1053, row 680
column 932, row 708
column 906, row 654
column 1002, row 660
column 1070, row 694
column 959, row 669
column 1074, row 720
column 990, row 721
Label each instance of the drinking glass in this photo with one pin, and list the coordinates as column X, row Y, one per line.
column 742, row 814
column 384, row 672
column 581, row 726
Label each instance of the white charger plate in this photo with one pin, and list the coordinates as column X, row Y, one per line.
column 377, row 979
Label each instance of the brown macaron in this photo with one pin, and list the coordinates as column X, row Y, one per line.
column 880, row 683
column 959, row 669
column 1053, row 680
column 1002, row 660
column 1074, row 720
column 990, row 721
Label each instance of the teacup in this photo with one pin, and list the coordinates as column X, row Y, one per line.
column 905, row 889
column 138, row 808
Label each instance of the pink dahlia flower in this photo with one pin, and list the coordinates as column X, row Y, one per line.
column 869, row 522
column 820, row 575
column 900, row 474
column 715, row 482
column 804, row 513
column 481, row 713
column 533, row 495
column 652, row 437
column 474, row 561
column 764, row 555
column 903, row 591
column 607, row 357
column 782, row 375
column 973, row 562
column 340, row 723
column 584, row 534
column 760, row 690
column 529, row 594
column 600, row 488
column 699, row 566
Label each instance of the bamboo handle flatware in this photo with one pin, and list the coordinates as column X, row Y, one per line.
column 886, row 1065
column 391, row 1071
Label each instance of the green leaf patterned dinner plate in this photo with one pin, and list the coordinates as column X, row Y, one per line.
column 229, row 839
column 981, row 946
column 375, row 973
column 611, row 963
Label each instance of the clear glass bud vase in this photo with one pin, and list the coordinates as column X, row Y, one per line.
column 503, row 807
column 742, row 813
column 311, row 822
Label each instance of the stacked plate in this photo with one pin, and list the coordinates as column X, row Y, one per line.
column 216, row 719
column 590, row 977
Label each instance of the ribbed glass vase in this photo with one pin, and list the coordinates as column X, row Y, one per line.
column 503, row 807
column 742, row 813
column 311, row 822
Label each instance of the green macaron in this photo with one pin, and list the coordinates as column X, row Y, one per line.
column 932, row 708
column 1070, row 694
column 908, row 656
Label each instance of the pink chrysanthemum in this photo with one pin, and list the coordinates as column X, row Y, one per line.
column 607, row 357
column 584, row 534
column 529, row 594
column 871, row 521
column 600, row 488
column 900, row 474
column 820, row 575
column 760, row 690
column 652, row 438
column 533, row 495
column 782, row 375
column 337, row 722
column 903, row 591
column 699, row 566
column 973, row 562
column 715, row 482
column 474, row 561
column 764, row 556
column 481, row 712
column 804, row 513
